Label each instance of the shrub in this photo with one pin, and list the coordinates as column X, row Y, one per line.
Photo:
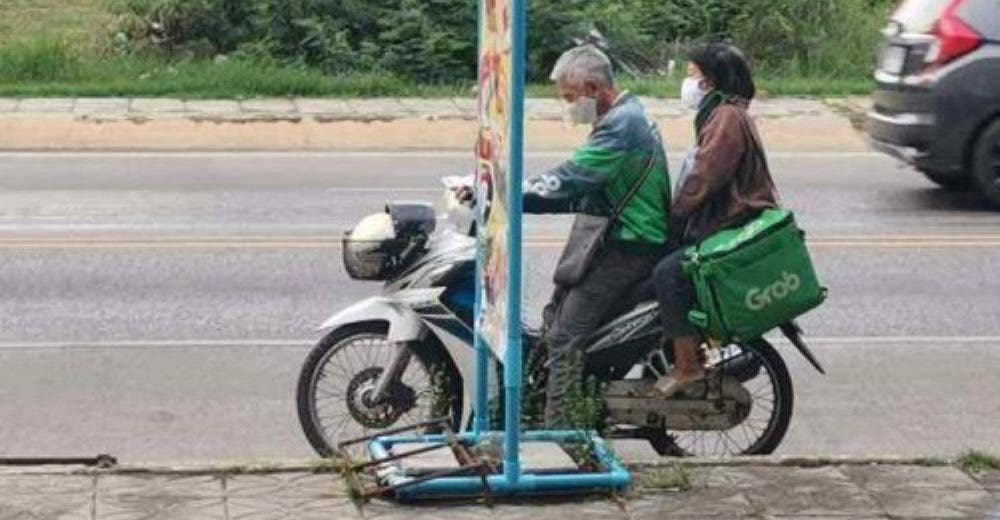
column 435, row 41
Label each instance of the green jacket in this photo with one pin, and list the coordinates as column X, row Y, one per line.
column 601, row 172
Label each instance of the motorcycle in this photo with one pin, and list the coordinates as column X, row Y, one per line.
column 407, row 356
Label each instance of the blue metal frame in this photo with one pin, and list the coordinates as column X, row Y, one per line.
column 614, row 478
column 513, row 481
column 481, row 348
column 512, row 363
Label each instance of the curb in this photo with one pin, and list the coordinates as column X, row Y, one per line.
column 333, row 466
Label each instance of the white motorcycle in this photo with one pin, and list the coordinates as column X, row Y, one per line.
column 406, row 356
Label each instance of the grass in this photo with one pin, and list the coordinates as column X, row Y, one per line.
column 81, row 23
column 54, row 48
column 45, row 68
column 977, row 462
column 674, row 477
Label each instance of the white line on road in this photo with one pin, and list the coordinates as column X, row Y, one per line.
column 389, row 154
column 334, row 242
column 154, row 344
column 944, row 341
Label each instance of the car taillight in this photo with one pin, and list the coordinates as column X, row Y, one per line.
column 955, row 37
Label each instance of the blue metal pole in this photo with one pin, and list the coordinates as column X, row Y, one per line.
column 481, row 403
column 512, row 365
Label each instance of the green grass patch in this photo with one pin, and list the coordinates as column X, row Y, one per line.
column 45, row 69
column 976, row 462
column 80, row 23
column 673, row 477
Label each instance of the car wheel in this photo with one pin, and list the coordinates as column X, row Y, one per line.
column 986, row 164
column 948, row 181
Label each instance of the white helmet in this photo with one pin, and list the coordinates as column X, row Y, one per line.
column 374, row 228
column 368, row 249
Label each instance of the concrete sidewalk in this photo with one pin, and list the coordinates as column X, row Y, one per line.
column 760, row 489
column 364, row 124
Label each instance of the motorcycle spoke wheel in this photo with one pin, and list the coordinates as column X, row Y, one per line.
column 760, row 432
column 344, row 378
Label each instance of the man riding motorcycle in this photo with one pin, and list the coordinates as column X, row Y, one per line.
column 622, row 146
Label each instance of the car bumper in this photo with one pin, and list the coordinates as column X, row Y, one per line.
column 909, row 137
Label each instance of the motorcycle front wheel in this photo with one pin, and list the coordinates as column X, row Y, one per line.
column 340, row 373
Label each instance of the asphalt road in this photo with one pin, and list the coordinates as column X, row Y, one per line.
column 158, row 306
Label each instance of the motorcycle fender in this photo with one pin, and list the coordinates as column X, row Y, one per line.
column 404, row 324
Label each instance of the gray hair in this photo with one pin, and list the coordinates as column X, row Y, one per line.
column 582, row 64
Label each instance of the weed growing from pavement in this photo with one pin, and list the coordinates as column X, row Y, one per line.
column 675, row 477
column 977, row 462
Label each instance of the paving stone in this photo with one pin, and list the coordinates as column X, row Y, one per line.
column 703, row 503
column 45, row 105
column 383, row 510
column 265, row 508
column 796, row 491
column 991, row 481
column 536, row 457
column 286, row 485
column 788, row 107
column 917, row 491
column 436, row 460
column 468, row 106
column 159, row 498
column 9, row 104
column 156, row 106
column 937, row 503
column 268, row 106
column 110, row 106
column 289, row 496
column 813, row 517
column 665, row 108
column 545, row 457
column 882, row 477
column 431, row 108
column 212, row 107
column 634, row 450
column 543, row 109
column 24, row 497
column 329, row 107
column 379, row 108
column 580, row 509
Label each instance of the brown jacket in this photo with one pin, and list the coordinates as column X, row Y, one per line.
column 730, row 182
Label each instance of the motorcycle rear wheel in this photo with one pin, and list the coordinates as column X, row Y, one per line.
column 773, row 393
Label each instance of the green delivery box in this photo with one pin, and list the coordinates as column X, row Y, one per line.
column 751, row 279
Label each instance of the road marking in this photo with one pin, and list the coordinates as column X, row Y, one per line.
column 127, row 344
column 545, row 242
column 307, row 342
column 372, row 154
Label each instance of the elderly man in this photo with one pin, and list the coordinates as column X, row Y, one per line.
column 622, row 145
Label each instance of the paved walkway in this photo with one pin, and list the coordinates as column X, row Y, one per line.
column 758, row 491
column 368, row 124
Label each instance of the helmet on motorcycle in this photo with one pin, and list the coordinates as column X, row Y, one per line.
column 371, row 247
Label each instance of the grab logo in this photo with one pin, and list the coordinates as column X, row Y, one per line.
column 758, row 298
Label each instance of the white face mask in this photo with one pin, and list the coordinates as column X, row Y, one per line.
column 583, row 111
column 691, row 92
